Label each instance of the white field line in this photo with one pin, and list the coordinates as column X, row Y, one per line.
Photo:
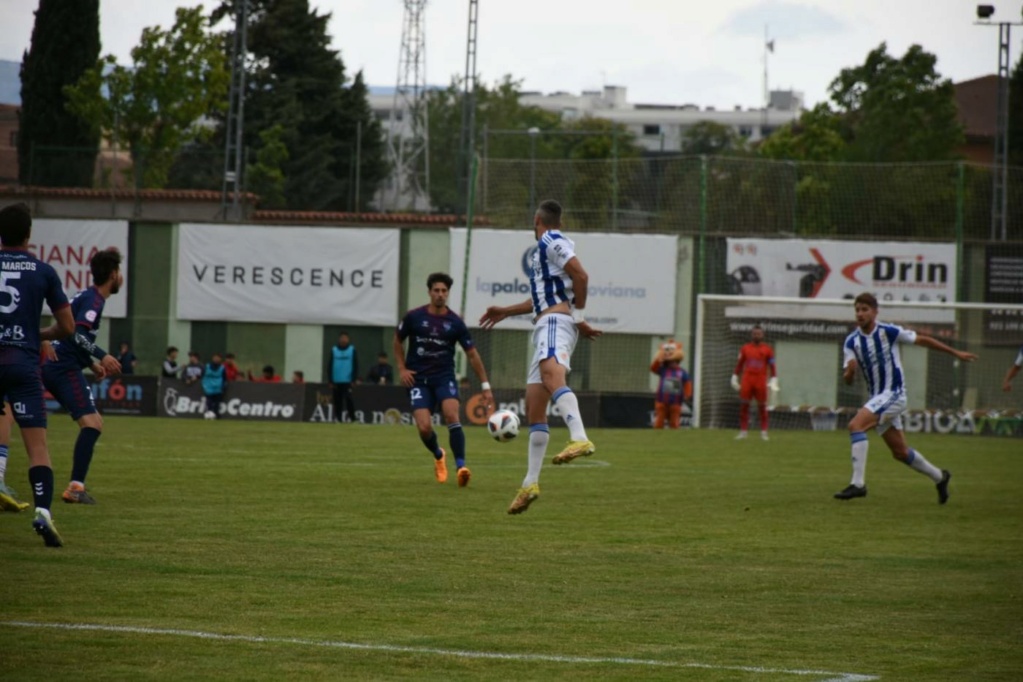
column 825, row 675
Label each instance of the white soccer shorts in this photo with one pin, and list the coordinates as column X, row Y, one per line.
column 554, row 336
column 888, row 407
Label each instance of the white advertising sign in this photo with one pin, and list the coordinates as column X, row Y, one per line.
column 68, row 245
column 818, row 268
column 266, row 273
column 632, row 277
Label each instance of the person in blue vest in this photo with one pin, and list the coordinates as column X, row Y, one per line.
column 344, row 371
column 214, row 379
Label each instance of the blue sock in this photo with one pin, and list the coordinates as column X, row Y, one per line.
column 431, row 444
column 84, row 447
column 456, row 437
column 41, row 479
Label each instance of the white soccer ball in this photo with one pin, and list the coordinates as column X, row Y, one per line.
column 210, row 414
column 503, row 425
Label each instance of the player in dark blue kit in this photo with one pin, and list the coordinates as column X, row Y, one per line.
column 62, row 370
column 428, row 371
column 25, row 284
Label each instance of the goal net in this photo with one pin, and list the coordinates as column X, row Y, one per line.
column 944, row 395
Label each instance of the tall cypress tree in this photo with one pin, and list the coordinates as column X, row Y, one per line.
column 56, row 148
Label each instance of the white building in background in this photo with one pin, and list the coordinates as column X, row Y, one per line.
column 657, row 127
column 662, row 127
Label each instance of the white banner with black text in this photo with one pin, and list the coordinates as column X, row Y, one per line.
column 69, row 245
column 266, row 273
column 631, row 277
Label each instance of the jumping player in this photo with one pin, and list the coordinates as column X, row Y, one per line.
column 756, row 361
column 428, row 372
column 559, row 288
column 25, row 284
column 62, row 371
column 873, row 349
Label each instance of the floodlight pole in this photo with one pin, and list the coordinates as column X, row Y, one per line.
column 1000, row 174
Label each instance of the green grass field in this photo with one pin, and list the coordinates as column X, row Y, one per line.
column 266, row 552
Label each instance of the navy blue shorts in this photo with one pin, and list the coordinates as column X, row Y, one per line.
column 428, row 393
column 70, row 387
column 24, row 390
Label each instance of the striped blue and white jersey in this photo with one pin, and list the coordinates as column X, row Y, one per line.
column 550, row 284
column 878, row 356
column 1019, row 358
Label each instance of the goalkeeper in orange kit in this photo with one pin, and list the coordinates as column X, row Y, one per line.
column 756, row 361
column 675, row 385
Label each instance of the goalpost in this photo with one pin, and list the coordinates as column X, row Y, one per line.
column 807, row 334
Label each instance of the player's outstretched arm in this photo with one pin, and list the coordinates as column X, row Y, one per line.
column 496, row 313
column 934, row 344
column 849, row 374
column 63, row 326
column 405, row 375
column 1009, row 376
column 477, row 366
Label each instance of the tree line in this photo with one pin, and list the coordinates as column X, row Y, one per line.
column 310, row 131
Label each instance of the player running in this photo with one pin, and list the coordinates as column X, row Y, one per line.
column 756, row 361
column 25, row 284
column 62, row 369
column 428, row 372
column 873, row 349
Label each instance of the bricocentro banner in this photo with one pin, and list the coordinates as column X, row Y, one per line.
column 242, row 400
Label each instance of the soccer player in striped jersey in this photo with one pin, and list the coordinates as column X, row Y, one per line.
column 1013, row 371
column 873, row 349
column 558, row 295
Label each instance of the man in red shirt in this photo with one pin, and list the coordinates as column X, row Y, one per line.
column 756, row 360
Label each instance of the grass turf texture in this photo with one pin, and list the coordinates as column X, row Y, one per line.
column 682, row 547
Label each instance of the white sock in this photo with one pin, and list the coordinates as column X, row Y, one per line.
column 3, row 464
column 859, row 457
column 917, row 461
column 538, row 437
column 568, row 407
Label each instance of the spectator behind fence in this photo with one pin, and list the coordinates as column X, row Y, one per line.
column 381, row 373
column 232, row 373
column 268, row 376
column 127, row 359
column 193, row 370
column 298, row 377
column 170, row 366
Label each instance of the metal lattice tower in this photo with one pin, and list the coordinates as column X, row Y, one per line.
column 231, row 193
column 467, row 139
column 999, row 195
column 407, row 143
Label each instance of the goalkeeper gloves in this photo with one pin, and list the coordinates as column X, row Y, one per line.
column 735, row 381
column 773, row 384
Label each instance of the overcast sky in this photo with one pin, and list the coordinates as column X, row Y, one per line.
column 663, row 51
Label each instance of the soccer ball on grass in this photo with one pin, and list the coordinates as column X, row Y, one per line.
column 503, row 425
column 210, row 414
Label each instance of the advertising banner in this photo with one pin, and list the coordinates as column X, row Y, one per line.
column 309, row 275
column 127, row 395
column 632, row 277
column 242, row 400
column 390, row 405
column 1003, row 283
column 68, row 246
column 819, row 268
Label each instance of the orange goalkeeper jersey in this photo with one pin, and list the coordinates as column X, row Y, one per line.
column 756, row 360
